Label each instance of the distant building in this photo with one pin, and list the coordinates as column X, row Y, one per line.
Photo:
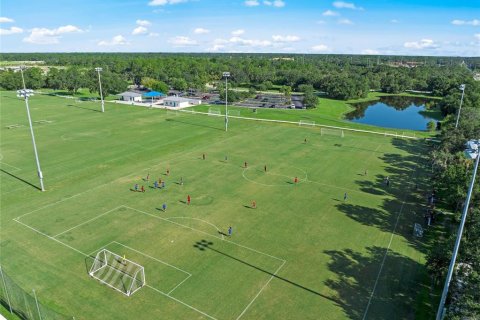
column 130, row 96
column 179, row 102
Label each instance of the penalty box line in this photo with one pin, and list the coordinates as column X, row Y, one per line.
column 86, row 255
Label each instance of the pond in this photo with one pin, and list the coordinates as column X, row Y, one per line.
column 397, row 112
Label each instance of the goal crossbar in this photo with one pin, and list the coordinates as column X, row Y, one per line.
column 117, row 272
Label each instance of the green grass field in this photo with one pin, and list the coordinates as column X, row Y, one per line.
column 303, row 253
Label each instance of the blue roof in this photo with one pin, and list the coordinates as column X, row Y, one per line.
column 153, row 94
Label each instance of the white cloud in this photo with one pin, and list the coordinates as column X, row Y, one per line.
column 153, row 34
column 6, row 20
column 49, row 36
column 238, row 32
column 143, row 23
column 279, row 38
column 268, row 3
column 474, row 22
column 11, row 30
column 330, row 13
column 116, row 41
column 165, row 2
column 252, row 3
column 182, row 41
column 139, row 30
column 422, row 44
column 370, row 51
column 345, row 21
column 345, row 5
column 394, row 21
column 250, row 42
column 216, row 47
column 201, row 31
column 320, row 48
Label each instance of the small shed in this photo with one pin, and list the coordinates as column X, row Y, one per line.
column 177, row 102
column 130, row 96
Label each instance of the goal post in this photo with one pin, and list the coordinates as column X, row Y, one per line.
column 308, row 123
column 417, row 230
column 234, row 113
column 214, row 111
column 332, row 132
column 117, row 272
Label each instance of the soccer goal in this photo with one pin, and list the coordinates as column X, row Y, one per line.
column 234, row 113
column 117, row 272
column 308, row 123
column 214, row 111
column 417, row 230
column 332, row 132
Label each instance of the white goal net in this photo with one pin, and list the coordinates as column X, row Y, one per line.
column 214, row 111
column 117, row 272
column 309, row 123
column 172, row 113
column 332, row 132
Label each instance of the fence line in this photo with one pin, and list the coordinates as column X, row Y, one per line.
column 22, row 304
column 298, row 122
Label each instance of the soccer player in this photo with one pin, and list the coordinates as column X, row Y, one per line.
column 136, row 187
column 155, row 184
column 254, row 204
column 230, row 231
column 245, row 164
column 295, row 180
column 181, row 181
column 124, row 260
column 143, row 189
column 265, row 168
column 203, row 156
column 226, row 158
column 188, row 199
column 305, row 140
column 164, row 207
column 159, row 180
column 366, row 172
column 345, row 197
column 168, row 172
column 163, row 184
column 148, row 176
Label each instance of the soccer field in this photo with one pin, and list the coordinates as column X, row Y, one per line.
column 304, row 252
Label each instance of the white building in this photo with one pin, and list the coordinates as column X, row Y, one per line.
column 179, row 102
column 130, row 96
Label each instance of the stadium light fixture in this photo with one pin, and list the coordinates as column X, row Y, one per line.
column 100, row 84
column 441, row 306
column 462, row 87
column 25, row 94
column 226, row 75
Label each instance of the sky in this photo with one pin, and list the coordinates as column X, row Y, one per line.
column 409, row 27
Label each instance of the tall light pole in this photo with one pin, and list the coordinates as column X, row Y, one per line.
column 441, row 306
column 226, row 75
column 462, row 87
column 100, row 84
column 25, row 93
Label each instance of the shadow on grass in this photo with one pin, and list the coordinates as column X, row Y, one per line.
column 398, row 286
column 194, row 124
column 84, row 108
column 204, row 245
column 20, row 179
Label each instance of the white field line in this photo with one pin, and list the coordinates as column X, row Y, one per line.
column 123, row 177
column 178, row 285
column 199, row 220
column 84, row 254
column 101, row 248
column 52, row 238
column 179, row 301
column 259, row 292
column 88, row 221
column 298, row 123
column 383, row 261
column 153, row 258
column 9, row 165
column 206, row 233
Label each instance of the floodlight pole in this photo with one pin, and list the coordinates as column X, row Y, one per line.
column 100, row 84
column 226, row 75
column 462, row 87
column 25, row 94
column 441, row 306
